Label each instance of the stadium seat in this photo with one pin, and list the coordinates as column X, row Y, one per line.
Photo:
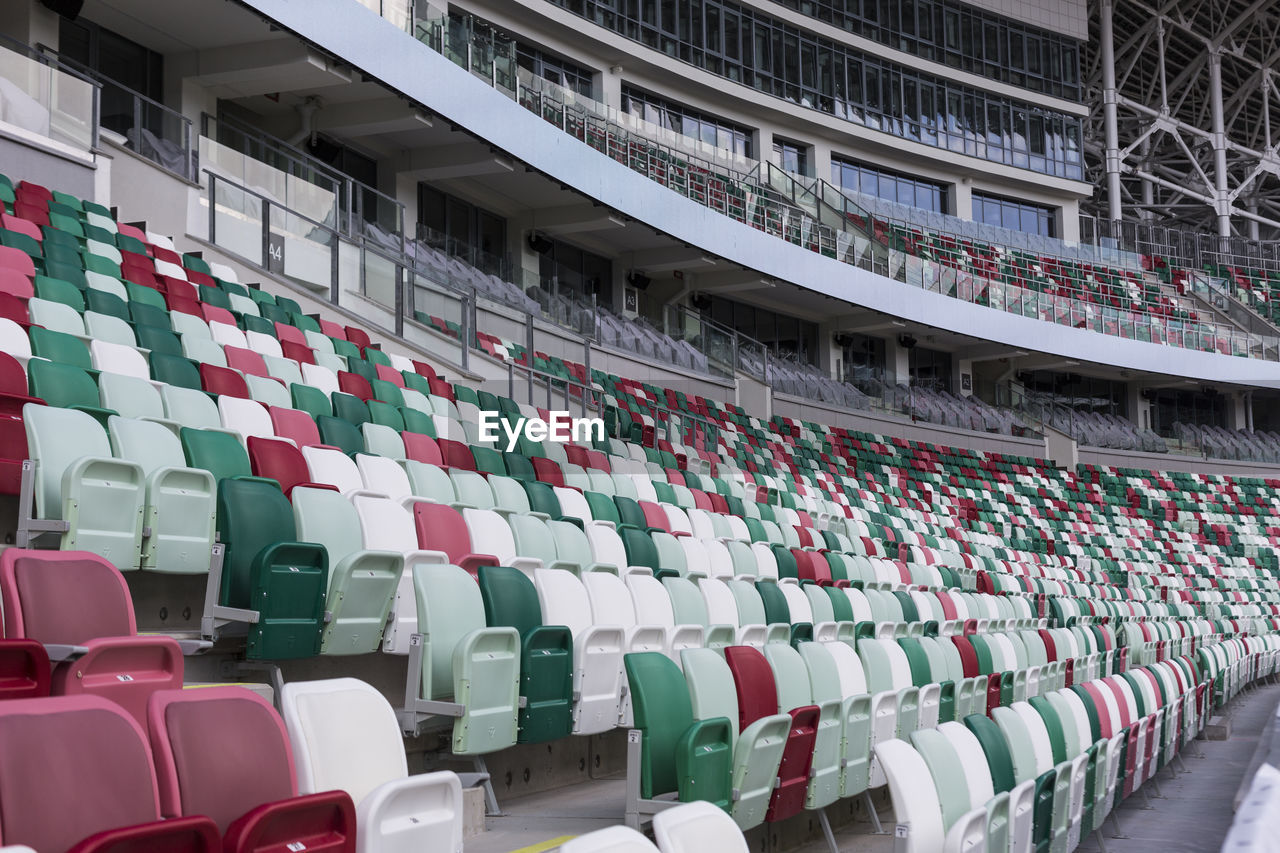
column 180, row 505
column 345, row 737
column 695, row 827
column 97, row 498
column 266, row 571
column 72, row 749
column 204, row 739
column 362, row 583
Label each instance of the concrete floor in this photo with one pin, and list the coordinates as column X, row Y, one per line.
column 1191, row 814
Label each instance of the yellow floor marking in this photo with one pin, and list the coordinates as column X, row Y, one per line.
column 545, row 845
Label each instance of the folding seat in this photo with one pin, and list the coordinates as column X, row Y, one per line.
column 597, row 649
column 179, row 506
column 470, row 490
column 1030, row 801
column 78, row 605
column 97, row 499
column 267, row 571
column 84, row 750
column 1031, row 749
column 757, row 697
column 336, row 432
column 677, row 753
column 223, row 382
column 330, row 466
column 113, row 330
column 546, row 653
column 345, row 737
column 896, row 703
column 276, row 459
column 297, row 426
column 245, row 417
column 489, row 528
column 204, row 739
column 443, row 530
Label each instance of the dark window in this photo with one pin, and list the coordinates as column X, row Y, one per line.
column 791, row 156
column 459, row 228
column 776, row 58
column 554, row 68
column 125, row 65
column 1013, row 214
column 566, row 268
column 784, row 335
column 687, row 121
column 889, row 185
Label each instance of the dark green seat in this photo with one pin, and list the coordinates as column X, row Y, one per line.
column 385, row 414
column 158, row 340
column 58, row 290
column 786, row 561
column 387, row 392
column 66, row 387
column 776, row 610
column 542, row 498
column 143, row 314
column 1000, row 763
column 220, row 453
column 488, row 460
column 215, row 296
column 519, row 467
column 630, row 514
column 546, row 653
column 60, row 347
column 419, row 422
column 341, row 434
column 106, row 303
column 602, row 508
column 678, row 754
column 640, row 548
column 311, row 400
column 68, row 271
column 350, row 408
column 254, row 323
column 264, row 569
column 175, row 370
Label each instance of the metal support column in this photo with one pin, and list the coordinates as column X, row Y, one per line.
column 1106, row 11
column 1221, row 202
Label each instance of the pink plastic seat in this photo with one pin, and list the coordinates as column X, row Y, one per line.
column 442, row 528
column 76, row 598
column 223, row 752
column 296, row 425
column 70, row 767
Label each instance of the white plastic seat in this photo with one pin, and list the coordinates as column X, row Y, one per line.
column 384, row 476
column 245, row 417
column 334, row 468
column 612, row 839
column 227, row 335
column 345, row 737
column 697, row 827
column 268, row 391
column 320, row 377
column 597, row 650
column 263, row 344
column 14, row 341
column 117, row 358
column 490, row 534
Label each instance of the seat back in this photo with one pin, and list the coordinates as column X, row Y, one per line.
column 204, row 739
column 697, row 827
column 71, row 766
column 63, row 597
column 344, row 736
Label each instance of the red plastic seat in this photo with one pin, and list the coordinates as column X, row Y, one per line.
column 300, row 353
column 655, row 516
column 456, row 454
column 355, row 384
column 14, row 283
column 548, row 471
column 758, row 697
column 359, row 337
column 296, row 425
column 292, row 334
column 180, row 835
column 442, row 528
column 13, row 433
column 33, row 211
column 330, row 329
column 24, row 670
column 281, row 461
column 76, row 598
column 223, row 752
column 422, row 448
column 425, row 369
column 441, row 388
column 214, row 314
column 184, row 306
column 223, row 380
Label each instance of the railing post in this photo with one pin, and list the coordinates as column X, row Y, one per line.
column 266, row 234
column 528, row 338
column 399, row 300
column 335, row 266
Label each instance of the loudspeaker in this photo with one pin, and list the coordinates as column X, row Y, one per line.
column 906, row 341
column 66, row 8
column 539, row 244
column 638, row 280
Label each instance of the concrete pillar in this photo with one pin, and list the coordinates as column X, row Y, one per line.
column 821, row 161
column 1137, row 409
column 763, row 146
column 961, row 199
column 1110, row 121
column 1237, row 410
column 608, row 86
column 829, row 354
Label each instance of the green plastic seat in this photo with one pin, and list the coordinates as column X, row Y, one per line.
column 678, row 753
column 220, row 453
column 340, row 433
column 311, row 400
column 265, row 569
column 77, row 480
column 180, row 501
column 67, row 387
column 362, row 583
column 350, row 408
column 175, row 370
column 60, row 347
column 158, row 339
column 546, row 653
